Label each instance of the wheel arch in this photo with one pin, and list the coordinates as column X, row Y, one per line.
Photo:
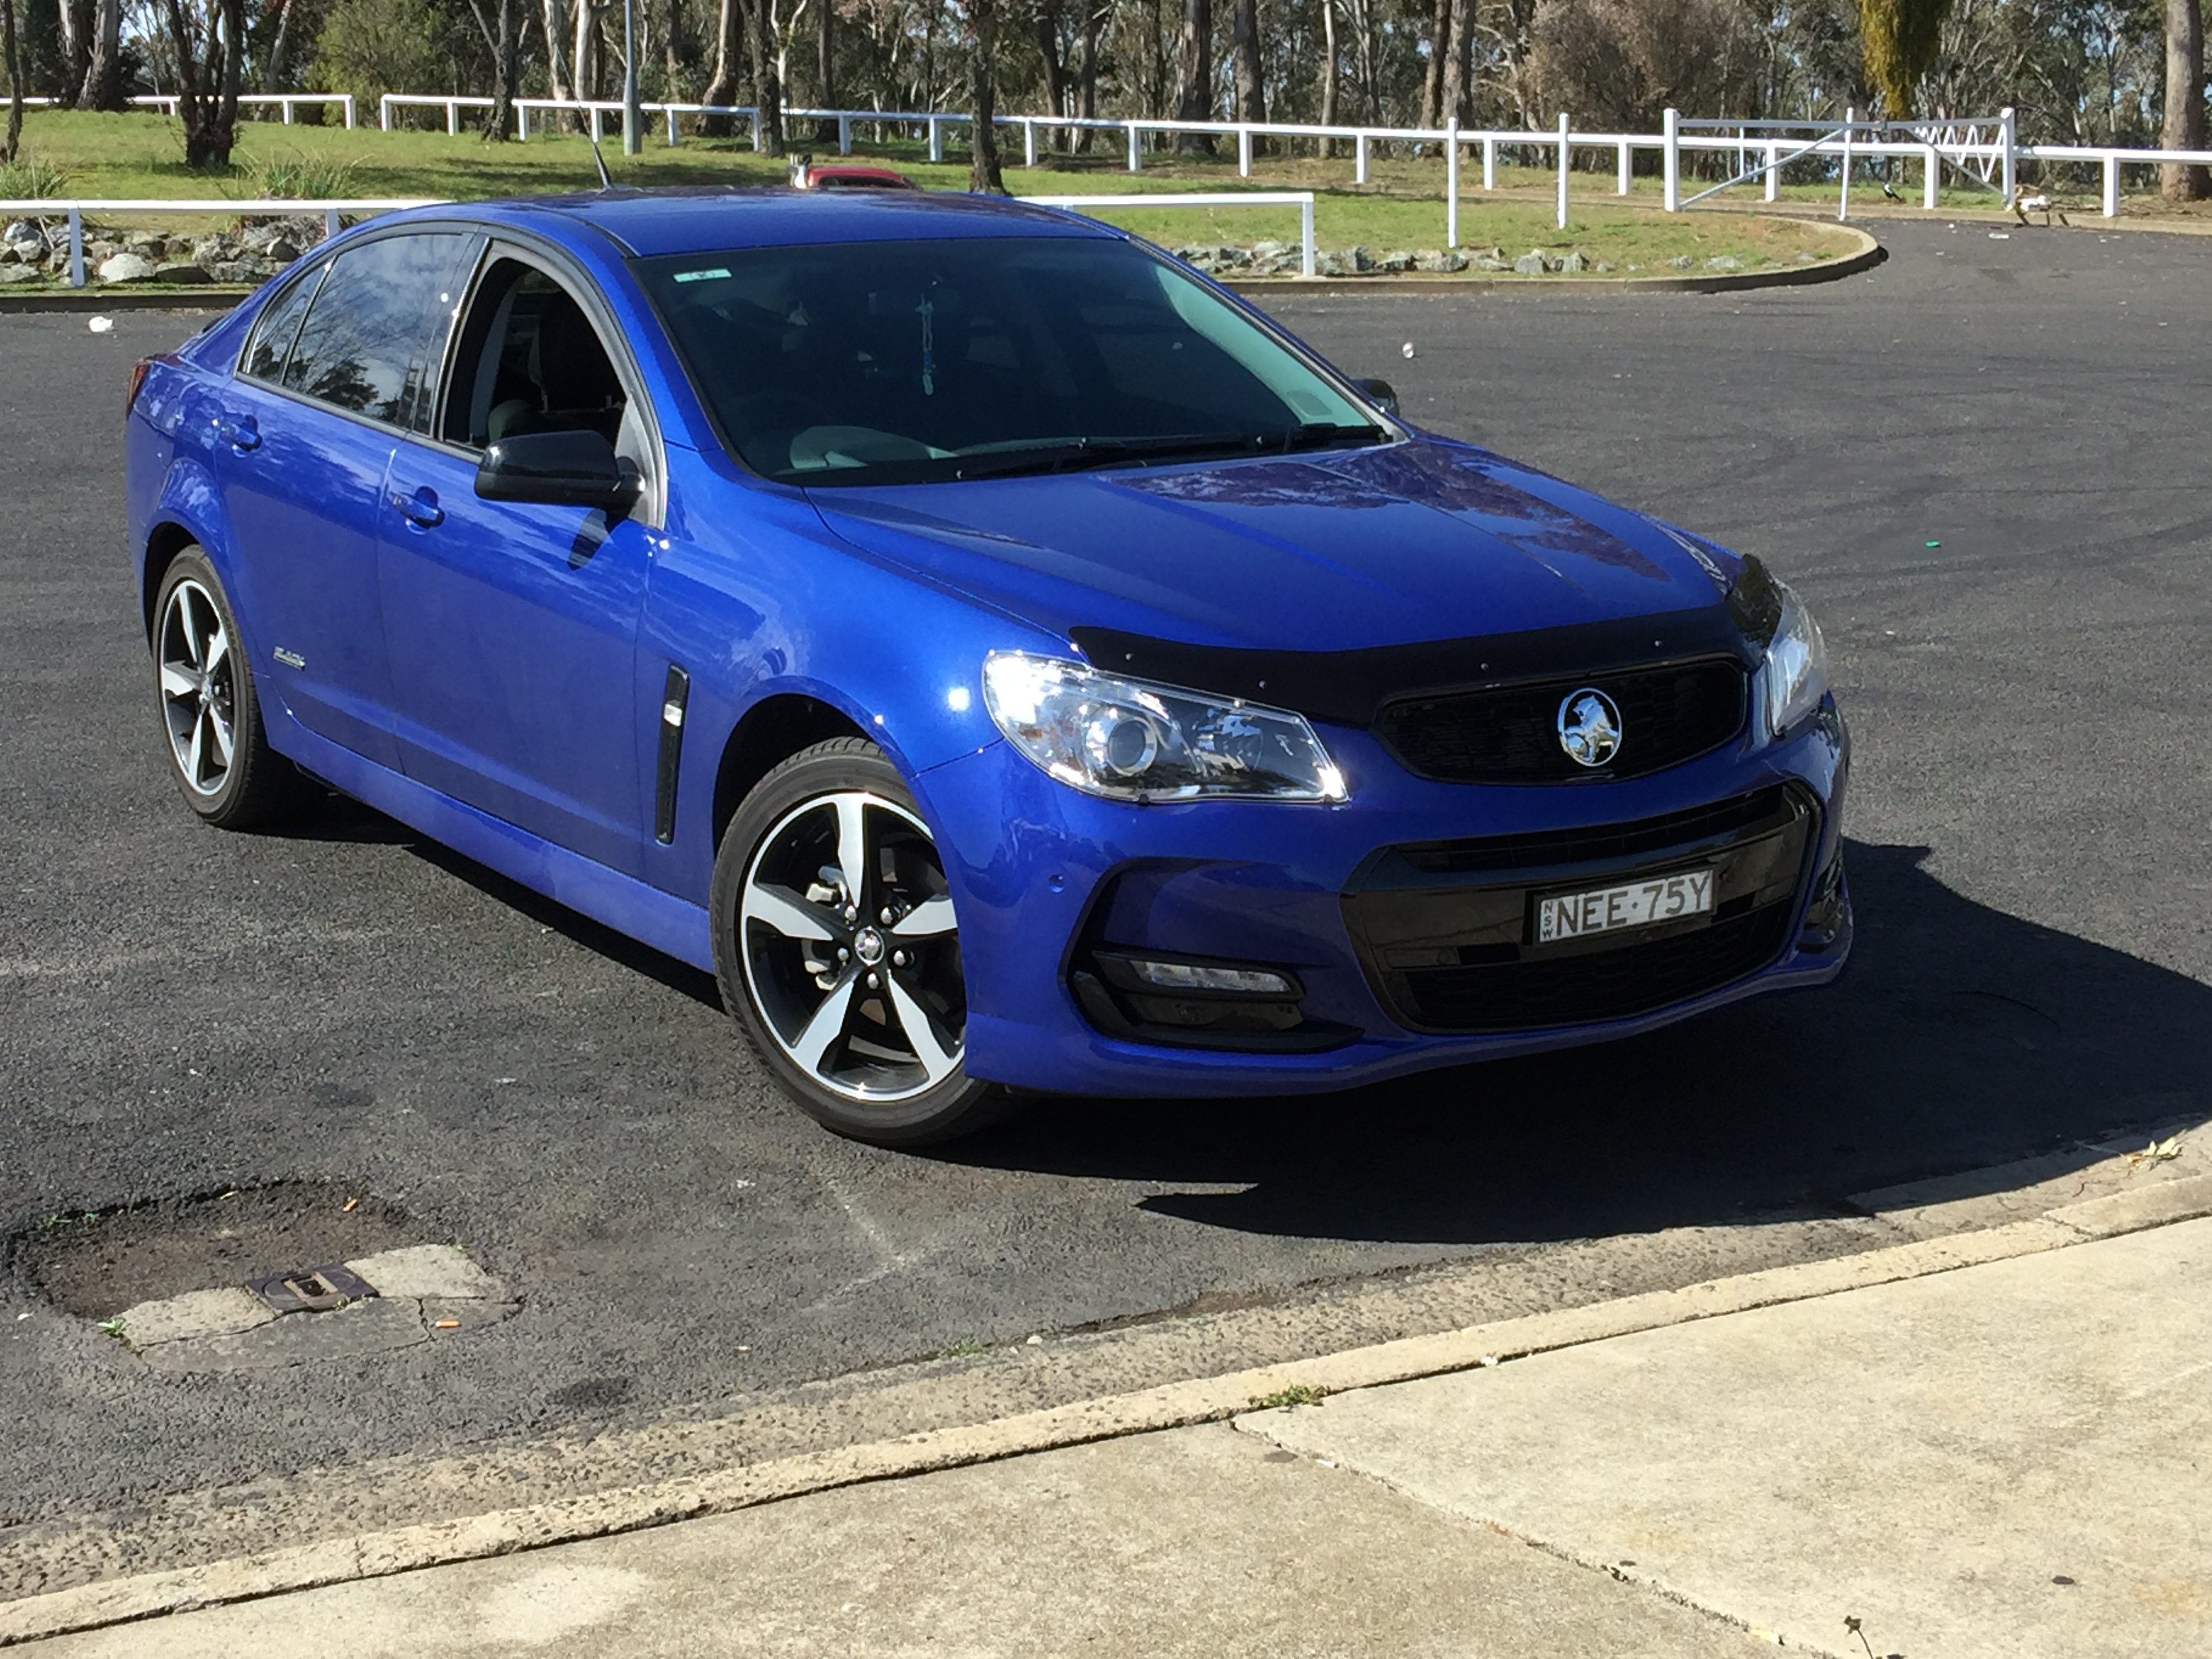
column 166, row 540
column 770, row 732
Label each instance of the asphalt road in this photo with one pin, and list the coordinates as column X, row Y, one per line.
column 1982, row 464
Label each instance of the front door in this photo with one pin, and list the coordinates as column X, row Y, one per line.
column 511, row 627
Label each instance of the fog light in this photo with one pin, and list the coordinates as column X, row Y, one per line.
column 1189, row 976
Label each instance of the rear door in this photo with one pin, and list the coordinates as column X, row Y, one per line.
column 513, row 626
column 330, row 374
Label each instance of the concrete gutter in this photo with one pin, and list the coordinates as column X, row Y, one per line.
column 740, row 1486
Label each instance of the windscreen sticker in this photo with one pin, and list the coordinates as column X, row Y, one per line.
column 702, row 275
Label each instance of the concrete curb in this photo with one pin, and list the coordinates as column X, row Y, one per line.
column 1866, row 256
column 1179, row 1405
column 81, row 300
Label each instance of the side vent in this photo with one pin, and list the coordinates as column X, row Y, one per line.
column 673, row 697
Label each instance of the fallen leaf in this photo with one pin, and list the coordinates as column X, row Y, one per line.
column 2159, row 1151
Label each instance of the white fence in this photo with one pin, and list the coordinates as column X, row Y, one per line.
column 76, row 209
column 288, row 101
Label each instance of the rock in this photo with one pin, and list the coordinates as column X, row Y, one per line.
column 182, row 272
column 1573, row 264
column 1807, row 258
column 126, row 268
column 235, row 271
column 1361, row 260
column 1602, row 266
column 1329, row 263
column 151, row 248
column 1491, row 262
column 1432, row 258
column 1724, row 262
column 1272, row 250
column 14, row 276
column 96, row 249
column 1680, row 261
column 1395, row 261
column 1532, row 264
column 282, row 249
column 214, row 250
column 22, row 233
column 8, row 254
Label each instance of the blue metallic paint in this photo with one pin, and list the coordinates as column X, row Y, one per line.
column 881, row 604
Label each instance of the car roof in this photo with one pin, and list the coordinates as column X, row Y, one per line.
column 649, row 222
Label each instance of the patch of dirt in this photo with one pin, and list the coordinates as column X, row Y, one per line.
column 97, row 1264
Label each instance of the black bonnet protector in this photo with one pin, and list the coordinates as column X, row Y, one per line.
column 1346, row 687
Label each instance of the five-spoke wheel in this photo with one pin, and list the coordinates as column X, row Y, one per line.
column 839, row 951
column 220, row 754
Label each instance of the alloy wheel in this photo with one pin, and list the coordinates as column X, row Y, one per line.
column 850, row 951
column 198, row 693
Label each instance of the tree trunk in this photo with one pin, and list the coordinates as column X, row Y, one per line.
column 1195, row 102
column 209, row 49
column 2184, row 102
column 76, row 20
column 984, row 177
column 1047, row 20
column 1093, row 19
column 272, row 72
column 505, row 48
column 722, row 85
column 1460, row 30
column 554, row 15
column 1432, row 77
column 584, row 58
column 103, row 71
column 11, row 59
column 767, row 90
column 825, row 69
column 674, row 50
column 1328, row 74
column 1251, row 73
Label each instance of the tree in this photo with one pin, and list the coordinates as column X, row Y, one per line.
column 722, row 86
column 2184, row 102
column 208, row 39
column 1459, row 83
column 984, row 175
column 1329, row 72
column 504, row 37
column 1433, row 113
column 12, row 57
column 102, row 87
column 1251, row 72
column 768, row 88
column 1899, row 39
column 1195, row 100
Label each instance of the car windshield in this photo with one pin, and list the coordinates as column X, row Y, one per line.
column 916, row 361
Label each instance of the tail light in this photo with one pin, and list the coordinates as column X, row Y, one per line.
column 137, row 380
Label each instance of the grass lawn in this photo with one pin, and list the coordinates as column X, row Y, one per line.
column 140, row 155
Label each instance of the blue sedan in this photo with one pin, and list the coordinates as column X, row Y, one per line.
column 1006, row 660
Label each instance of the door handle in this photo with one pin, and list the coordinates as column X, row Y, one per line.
column 239, row 432
column 420, row 509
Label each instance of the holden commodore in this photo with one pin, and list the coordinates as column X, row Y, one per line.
column 1007, row 661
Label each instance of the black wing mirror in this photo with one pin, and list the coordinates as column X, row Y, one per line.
column 1381, row 394
column 556, row 469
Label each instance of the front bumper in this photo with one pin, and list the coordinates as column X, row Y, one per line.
column 1044, row 877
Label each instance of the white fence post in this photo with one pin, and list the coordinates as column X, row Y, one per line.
column 348, row 111
column 1564, row 158
column 936, row 139
column 1244, row 152
column 453, row 119
column 1489, row 162
column 1844, row 198
column 1931, row 181
column 521, row 122
column 77, row 248
column 595, row 124
column 1628, row 167
column 1360, row 159
column 675, row 137
column 2011, row 155
column 1136, row 150
column 2111, row 185
column 1451, row 182
column 1028, row 143
column 285, row 105
column 1773, row 172
column 1671, row 163
column 383, row 113
column 844, row 134
column 1306, row 236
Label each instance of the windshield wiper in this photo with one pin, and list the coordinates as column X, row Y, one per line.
column 1080, row 454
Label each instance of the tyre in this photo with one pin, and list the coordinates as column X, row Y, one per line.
column 219, row 752
column 839, row 954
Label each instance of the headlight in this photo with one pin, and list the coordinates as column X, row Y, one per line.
column 1137, row 742
column 1773, row 618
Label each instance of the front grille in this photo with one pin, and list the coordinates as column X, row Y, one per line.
column 1630, row 979
column 1445, row 930
column 1509, row 734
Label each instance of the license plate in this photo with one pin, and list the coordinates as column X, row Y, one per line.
column 1638, row 905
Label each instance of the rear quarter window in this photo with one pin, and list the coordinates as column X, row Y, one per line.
column 271, row 346
column 371, row 331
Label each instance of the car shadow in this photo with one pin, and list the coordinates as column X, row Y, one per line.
column 1959, row 1037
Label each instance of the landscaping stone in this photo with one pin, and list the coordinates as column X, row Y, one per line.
column 16, row 274
column 1573, row 264
column 1724, row 262
column 1395, row 261
column 1680, row 261
column 235, row 271
column 1491, row 261
column 1602, row 266
column 1532, row 264
column 126, row 268
column 1431, row 259
column 1327, row 263
column 183, row 273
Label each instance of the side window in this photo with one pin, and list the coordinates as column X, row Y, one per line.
column 530, row 360
column 275, row 328
column 374, row 327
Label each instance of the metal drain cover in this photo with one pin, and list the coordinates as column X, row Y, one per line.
column 310, row 1290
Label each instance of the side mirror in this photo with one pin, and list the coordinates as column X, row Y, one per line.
column 1381, row 394
column 556, row 469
